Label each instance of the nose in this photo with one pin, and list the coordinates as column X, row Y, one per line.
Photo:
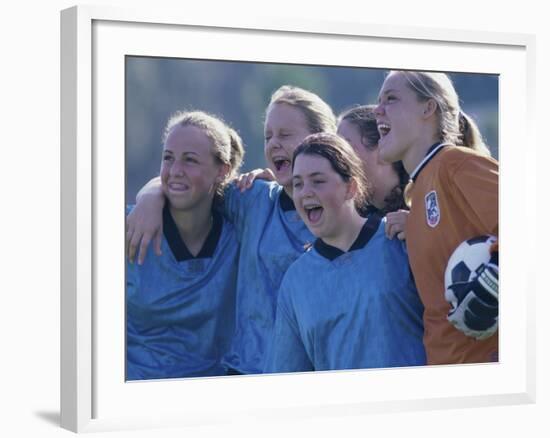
column 176, row 169
column 272, row 144
column 306, row 191
column 378, row 110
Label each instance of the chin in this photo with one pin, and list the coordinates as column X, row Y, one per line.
column 318, row 231
column 318, row 235
column 178, row 204
column 387, row 155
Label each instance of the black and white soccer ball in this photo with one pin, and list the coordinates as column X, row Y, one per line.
column 468, row 259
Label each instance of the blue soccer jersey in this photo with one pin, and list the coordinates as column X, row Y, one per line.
column 348, row 310
column 272, row 236
column 181, row 309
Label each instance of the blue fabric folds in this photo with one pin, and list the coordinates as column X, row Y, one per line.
column 360, row 310
column 180, row 315
column 270, row 239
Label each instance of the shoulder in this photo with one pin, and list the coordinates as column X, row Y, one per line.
column 228, row 243
column 456, row 156
column 379, row 241
column 268, row 190
column 304, row 266
column 454, row 162
column 299, row 279
column 228, row 231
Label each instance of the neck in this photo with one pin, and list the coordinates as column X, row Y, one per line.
column 349, row 228
column 379, row 198
column 417, row 152
column 193, row 225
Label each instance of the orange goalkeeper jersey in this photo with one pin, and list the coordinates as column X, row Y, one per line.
column 454, row 197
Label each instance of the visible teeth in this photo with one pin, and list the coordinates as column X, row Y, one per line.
column 311, row 206
column 383, row 129
column 280, row 162
column 178, row 186
column 276, row 159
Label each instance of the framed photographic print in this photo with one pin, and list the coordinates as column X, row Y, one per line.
column 124, row 72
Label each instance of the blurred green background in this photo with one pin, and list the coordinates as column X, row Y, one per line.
column 239, row 92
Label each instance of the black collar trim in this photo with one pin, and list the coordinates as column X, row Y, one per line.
column 177, row 245
column 367, row 210
column 366, row 233
column 287, row 204
column 432, row 152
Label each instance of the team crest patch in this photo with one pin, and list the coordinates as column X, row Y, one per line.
column 432, row 209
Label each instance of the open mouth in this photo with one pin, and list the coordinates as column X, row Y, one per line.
column 281, row 163
column 313, row 212
column 178, row 187
column 383, row 129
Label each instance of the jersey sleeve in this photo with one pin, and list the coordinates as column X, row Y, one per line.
column 476, row 181
column 238, row 204
column 286, row 352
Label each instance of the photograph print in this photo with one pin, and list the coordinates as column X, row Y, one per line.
column 289, row 218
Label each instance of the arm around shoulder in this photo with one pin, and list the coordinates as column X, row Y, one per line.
column 144, row 223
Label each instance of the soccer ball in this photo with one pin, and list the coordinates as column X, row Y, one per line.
column 468, row 259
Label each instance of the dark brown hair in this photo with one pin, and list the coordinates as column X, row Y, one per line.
column 364, row 119
column 342, row 158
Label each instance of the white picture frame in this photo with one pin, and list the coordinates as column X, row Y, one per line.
column 93, row 395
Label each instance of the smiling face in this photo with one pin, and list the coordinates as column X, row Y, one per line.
column 401, row 119
column 322, row 197
column 285, row 128
column 189, row 171
column 380, row 174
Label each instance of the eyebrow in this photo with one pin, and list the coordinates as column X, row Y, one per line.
column 168, row 151
column 311, row 175
column 283, row 130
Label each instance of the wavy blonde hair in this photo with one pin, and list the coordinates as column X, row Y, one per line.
column 227, row 145
column 318, row 113
column 455, row 126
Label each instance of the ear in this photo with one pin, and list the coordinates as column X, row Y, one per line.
column 352, row 189
column 430, row 108
column 223, row 171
